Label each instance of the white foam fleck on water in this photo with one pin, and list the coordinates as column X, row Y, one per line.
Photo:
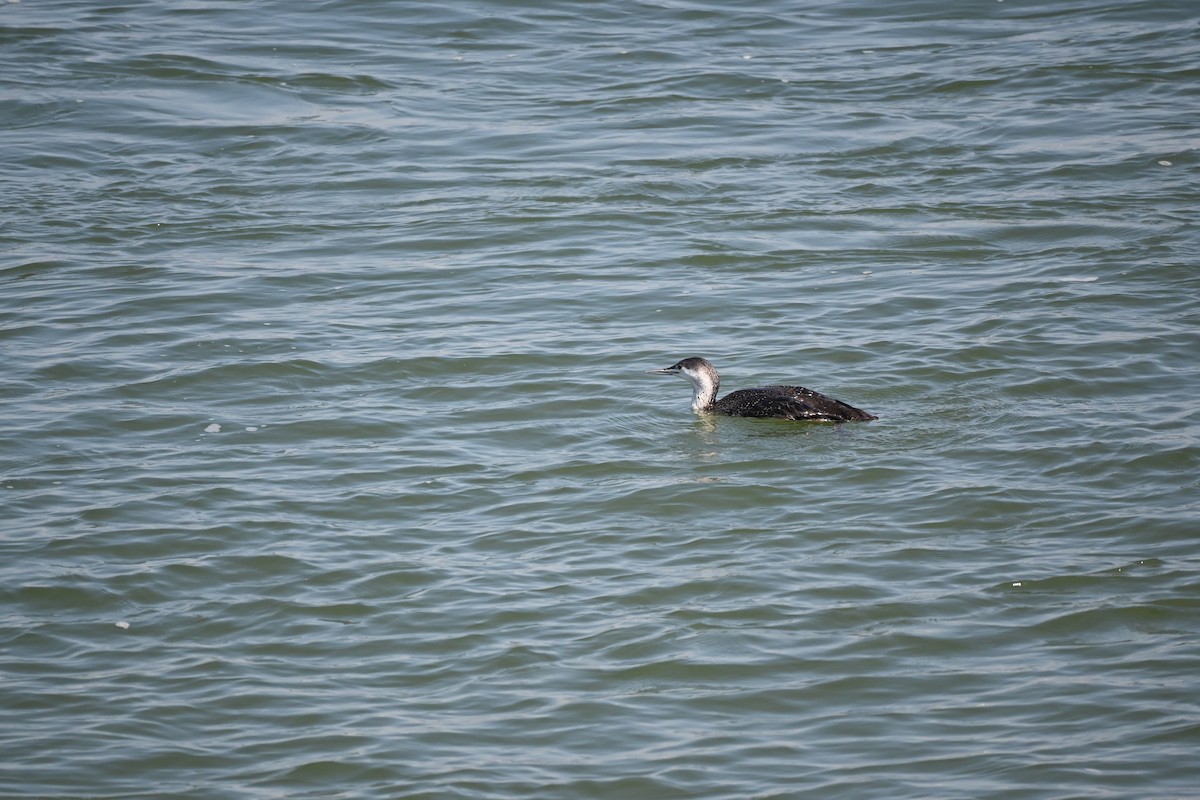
column 213, row 428
column 123, row 625
column 1079, row 279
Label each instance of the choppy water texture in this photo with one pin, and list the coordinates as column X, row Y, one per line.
column 330, row 467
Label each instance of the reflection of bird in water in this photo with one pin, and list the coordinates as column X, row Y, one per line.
column 777, row 402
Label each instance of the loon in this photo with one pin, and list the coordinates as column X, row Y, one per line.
column 775, row 402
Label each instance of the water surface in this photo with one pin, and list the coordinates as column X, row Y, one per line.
column 330, row 467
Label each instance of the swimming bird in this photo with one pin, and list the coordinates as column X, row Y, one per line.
column 776, row 402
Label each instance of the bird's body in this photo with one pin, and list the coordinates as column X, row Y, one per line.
column 775, row 402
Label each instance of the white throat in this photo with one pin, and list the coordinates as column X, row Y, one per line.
column 704, row 389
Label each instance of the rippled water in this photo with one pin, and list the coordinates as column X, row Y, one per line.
column 330, row 467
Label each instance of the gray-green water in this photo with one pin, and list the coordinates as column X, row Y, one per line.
column 450, row 541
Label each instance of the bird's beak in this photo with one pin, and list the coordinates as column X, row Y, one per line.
column 667, row 371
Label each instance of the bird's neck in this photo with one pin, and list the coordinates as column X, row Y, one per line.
column 704, row 394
